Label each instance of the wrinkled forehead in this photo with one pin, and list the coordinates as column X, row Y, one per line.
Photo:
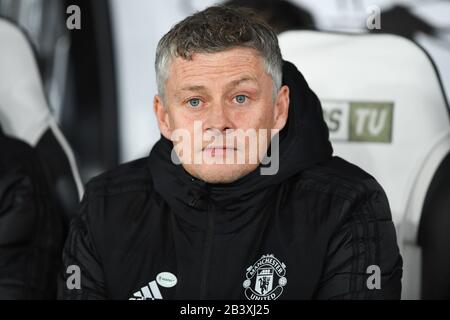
column 235, row 65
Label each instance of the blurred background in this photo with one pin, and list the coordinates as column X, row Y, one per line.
column 100, row 82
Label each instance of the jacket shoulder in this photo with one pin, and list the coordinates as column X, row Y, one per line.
column 127, row 177
column 345, row 189
column 340, row 178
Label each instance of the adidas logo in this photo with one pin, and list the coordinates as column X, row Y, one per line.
column 150, row 292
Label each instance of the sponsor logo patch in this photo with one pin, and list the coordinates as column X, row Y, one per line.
column 359, row 121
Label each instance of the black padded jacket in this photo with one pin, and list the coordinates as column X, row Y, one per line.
column 320, row 228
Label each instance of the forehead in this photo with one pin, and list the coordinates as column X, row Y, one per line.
column 215, row 68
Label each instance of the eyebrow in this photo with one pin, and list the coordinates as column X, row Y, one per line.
column 193, row 88
column 235, row 83
column 232, row 84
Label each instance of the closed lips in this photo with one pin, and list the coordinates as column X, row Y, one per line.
column 218, row 150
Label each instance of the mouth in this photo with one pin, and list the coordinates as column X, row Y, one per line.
column 218, row 151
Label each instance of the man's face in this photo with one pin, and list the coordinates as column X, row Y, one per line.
column 213, row 95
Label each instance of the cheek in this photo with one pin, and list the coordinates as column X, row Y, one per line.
column 183, row 120
column 261, row 118
column 240, row 118
column 258, row 116
column 184, row 125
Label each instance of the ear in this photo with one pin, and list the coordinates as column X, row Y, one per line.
column 163, row 117
column 281, row 108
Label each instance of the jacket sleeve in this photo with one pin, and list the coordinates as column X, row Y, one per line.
column 363, row 259
column 82, row 275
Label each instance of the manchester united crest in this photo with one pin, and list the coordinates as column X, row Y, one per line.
column 265, row 279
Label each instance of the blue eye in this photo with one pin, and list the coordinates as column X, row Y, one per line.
column 241, row 99
column 194, row 103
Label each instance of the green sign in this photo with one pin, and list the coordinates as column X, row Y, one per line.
column 359, row 121
column 371, row 122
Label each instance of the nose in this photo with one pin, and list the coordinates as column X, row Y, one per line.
column 218, row 118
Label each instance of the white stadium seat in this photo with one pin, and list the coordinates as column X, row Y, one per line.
column 387, row 113
column 25, row 115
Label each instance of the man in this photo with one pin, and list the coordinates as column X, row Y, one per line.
column 211, row 214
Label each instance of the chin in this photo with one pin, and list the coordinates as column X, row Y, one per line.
column 221, row 173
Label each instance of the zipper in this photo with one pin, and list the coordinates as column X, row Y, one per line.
column 209, row 239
